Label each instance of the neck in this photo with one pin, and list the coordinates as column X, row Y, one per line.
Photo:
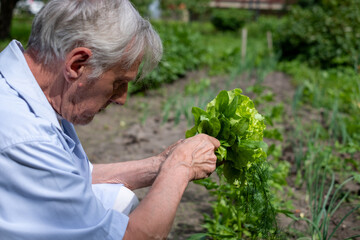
column 50, row 80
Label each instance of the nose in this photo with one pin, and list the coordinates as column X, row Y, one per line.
column 120, row 95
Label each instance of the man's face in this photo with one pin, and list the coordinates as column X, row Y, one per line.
column 90, row 97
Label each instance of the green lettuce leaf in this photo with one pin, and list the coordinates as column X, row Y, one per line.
column 232, row 118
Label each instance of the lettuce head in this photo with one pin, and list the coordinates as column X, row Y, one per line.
column 232, row 118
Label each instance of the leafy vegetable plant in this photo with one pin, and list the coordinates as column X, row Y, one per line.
column 232, row 118
column 244, row 206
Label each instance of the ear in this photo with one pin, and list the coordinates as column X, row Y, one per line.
column 75, row 63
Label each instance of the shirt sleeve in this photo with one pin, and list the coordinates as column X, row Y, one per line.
column 115, row 196
column 43, row 196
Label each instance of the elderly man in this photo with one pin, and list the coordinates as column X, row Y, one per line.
column 81, row 56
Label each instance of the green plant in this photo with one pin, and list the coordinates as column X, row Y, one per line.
column 323, row 210
column 335, row 91
column 319, row 149
column 198, row 10
column 264, row 24
column 142, row 6
column 324, row 201
column 232, row 118
column 325, row 34
column 221, row 60
column 181, row 54
column 20, row 30
column 309, row 3
column 230, row 19
column 194, row 88
column 244, row 203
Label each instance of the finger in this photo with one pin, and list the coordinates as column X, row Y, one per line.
column 213, row 158
column 211, row 169
column 214, row 141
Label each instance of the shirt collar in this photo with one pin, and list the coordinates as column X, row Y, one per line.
column 18, row 75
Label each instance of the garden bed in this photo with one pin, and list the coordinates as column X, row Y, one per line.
column 137, row 131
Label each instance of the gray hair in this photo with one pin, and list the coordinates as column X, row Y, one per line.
column 112, row 29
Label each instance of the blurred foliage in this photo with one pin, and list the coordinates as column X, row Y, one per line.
column 230, row 19
column 325, row 34
column 196, row 87
column 182, row 53
column 264, row 24
column 336, row 91
column 142, row 6
column 322, row 3
column 322, row 87
column 308, row 3
column 190, row 46
column 20, row 30
column 197, row 9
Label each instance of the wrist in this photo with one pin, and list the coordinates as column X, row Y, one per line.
column 180, row 169
column 158, row 161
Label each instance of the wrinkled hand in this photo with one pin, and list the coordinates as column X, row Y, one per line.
column 196, row 153
column 169, row 150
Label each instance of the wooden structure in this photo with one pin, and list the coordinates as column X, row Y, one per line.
column 262, row 5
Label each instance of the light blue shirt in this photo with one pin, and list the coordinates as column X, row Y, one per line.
column 45, row 176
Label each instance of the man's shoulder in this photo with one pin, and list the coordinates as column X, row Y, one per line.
column 18, row 122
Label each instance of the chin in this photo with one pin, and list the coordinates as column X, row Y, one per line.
column 82, row 120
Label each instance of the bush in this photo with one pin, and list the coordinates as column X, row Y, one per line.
column 264, row 24
column 324, row 35
column 198, row 10
column 182, row 53
column 308, row 3
column 142, row 6
column 230, row 19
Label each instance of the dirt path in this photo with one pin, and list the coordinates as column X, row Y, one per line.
column 137, row 131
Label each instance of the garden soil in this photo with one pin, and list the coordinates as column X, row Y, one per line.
column 137, row 131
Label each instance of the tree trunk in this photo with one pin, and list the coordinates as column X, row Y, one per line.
column 6, row 13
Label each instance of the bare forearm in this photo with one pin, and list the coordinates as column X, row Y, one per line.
column 189, row 159
column 153, row 218
column 133, row 174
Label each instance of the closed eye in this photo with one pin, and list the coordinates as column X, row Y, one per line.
column 121, row 81
column 119, row 86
